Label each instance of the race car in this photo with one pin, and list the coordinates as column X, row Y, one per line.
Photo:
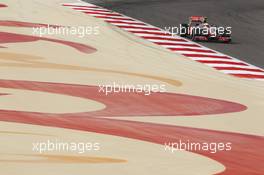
column 199, row 30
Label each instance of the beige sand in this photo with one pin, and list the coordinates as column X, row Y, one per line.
column 121, row 57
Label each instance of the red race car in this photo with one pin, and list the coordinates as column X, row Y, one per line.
column 199, row 30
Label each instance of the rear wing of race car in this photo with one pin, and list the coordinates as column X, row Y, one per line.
column 202, row 19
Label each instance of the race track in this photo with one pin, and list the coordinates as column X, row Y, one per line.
column 205, row 121
column 245, row 17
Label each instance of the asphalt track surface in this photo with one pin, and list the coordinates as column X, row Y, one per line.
column 244, row 16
